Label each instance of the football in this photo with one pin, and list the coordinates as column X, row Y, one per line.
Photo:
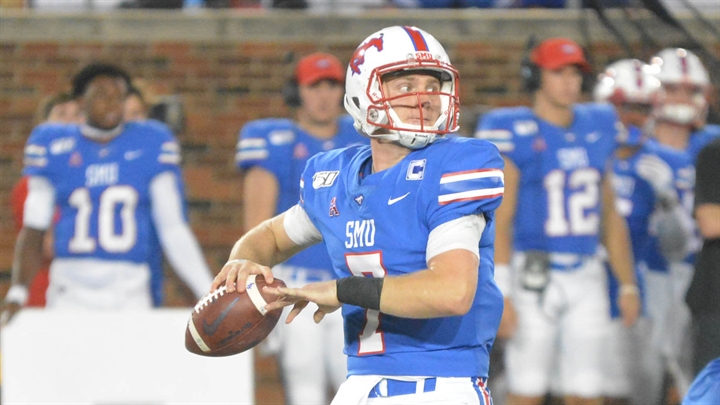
column 223, row 324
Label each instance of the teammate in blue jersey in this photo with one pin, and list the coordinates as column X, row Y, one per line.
column 409, row 225
column 644, row 183
column 679, row 125
column 558, row 196
column 109, row 180
column 272, row 153
column 705, row 389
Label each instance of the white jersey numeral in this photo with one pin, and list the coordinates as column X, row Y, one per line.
column 124, row 196
column 369, row 265
column 584, row 195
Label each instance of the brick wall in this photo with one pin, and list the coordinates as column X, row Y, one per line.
column 223, row 82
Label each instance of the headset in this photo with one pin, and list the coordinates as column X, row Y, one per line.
column 531, row 75
column 291, row 93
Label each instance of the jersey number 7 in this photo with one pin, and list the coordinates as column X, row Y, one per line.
column 368, row 264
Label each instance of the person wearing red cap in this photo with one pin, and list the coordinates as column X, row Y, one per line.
column 558, row 196
column 272, row 154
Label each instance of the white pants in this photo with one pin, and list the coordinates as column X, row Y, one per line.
column 566, row 327
column 98, row 285
column 311, row 355
column 379, row 390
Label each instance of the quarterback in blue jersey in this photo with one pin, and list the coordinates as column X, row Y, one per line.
column 272, row 154
column 409, row 226
column 109, row 180
column 558, row 196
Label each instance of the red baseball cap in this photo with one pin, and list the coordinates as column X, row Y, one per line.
column 555, row 53
column 319, row 66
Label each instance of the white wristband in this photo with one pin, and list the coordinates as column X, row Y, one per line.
column 504, row 279
column 17, row 294
column 629, row 289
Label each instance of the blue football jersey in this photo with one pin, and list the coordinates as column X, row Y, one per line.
column 102, row 189
column 561, row 174
column 378, row 224
column 683, row 167
column 705, row 389
column 700, row 138
column 282, row 148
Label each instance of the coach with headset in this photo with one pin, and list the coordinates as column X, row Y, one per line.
column 271, row 155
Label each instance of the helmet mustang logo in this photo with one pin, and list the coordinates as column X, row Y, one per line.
column 358, row 57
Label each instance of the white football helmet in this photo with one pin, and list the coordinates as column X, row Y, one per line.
column 680, row 67
column 396, row 49
column 627, row 81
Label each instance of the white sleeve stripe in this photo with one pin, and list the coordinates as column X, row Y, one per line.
column 39, row 208
column 505, row 146
column 471, row 195
column 169, row 158
column 493, row 134
column 252, row 155
column 35, row 150
column 37, row 162
column 300, row 228
column 471, row 175
column 460, row 233
column 252, row 143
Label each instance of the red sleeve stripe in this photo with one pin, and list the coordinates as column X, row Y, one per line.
column 417, row 39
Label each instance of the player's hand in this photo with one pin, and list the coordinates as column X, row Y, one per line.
column 324, row 294
column 235, row 272
column 8, row 311
column 509, row 321
column 629, row 304
column 660, row 177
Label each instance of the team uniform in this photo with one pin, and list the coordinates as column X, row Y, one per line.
column 705, row 389
column 391, row 223
column 307, row 350
column 107, row 195
column 560, row 284
column 635, row 368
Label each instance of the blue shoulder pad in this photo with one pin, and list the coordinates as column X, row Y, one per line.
column 464, row 177
column 261, row 140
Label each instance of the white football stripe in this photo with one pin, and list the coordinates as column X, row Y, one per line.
column 252, row 143
column 253, row 292
column 196, row 337
column 251, row 154
column 472, row 176
column 470, row 194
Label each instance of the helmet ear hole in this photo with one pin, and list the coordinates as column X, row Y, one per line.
column 356, row 101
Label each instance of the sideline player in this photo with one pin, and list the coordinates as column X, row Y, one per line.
column 644, row 182
column 272, row 154
column 679, row 124
column 558, row 197
column 60, row 108
column 409, row 226
column 109, row 179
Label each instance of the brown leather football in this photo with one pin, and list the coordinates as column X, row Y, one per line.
column 223, row 324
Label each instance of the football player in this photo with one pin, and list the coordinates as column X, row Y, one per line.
column 409, row 225
column 109, row 180
column 272, row 154
column 678, row 124
column 644, row 182
column 558, row 196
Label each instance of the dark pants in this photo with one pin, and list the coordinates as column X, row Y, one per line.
column 706, row 331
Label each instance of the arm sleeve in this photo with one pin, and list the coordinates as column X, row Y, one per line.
column 300, row 228
column 176, row 237
column 707, row 187
column 39, row 204
column 461, row 233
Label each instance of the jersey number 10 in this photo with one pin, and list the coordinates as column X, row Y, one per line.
column 83, row 242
